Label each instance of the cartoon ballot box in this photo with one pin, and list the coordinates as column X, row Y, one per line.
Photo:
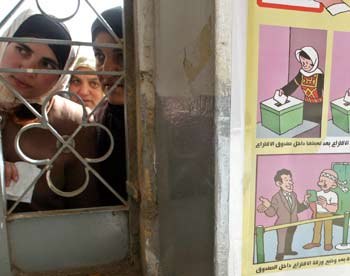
column 281, row 118
column 341, row 114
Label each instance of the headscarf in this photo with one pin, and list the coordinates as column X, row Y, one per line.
column 114, row 17
column 311, row 52
column 43, row 26
column 85, row 62
column 332, row 175
column 7, row 99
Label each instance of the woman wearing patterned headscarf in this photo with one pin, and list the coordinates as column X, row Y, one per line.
column 310, row 78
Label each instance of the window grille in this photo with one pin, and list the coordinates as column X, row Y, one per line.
column 64, row 142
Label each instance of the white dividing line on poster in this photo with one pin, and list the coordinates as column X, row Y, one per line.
column 296, row 3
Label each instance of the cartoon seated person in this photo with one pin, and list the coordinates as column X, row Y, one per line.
column 310, row 78
column 326, row 205
column 334, row 7
column 285, row 206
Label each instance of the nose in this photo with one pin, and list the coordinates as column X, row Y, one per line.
column 29, row 63
column 83, row 90
column 110, row 64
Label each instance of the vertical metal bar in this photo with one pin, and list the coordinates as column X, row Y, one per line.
column 260, row 255
column 5, row 263
column 346, row 228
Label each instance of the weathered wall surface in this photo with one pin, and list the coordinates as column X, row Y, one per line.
column 185, row 135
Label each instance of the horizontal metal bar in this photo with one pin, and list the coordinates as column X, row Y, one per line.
column 60, row 42
column 60, row 72
column 65, row 212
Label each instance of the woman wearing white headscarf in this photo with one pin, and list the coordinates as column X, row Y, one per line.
column 311, row 79
column 67, row 172
column 36, row 27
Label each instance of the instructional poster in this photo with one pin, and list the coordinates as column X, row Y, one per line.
column 297, row 166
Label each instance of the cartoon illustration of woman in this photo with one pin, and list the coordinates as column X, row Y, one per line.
column 311, row 79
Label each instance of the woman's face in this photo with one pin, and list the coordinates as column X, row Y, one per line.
column 34, row 56
column 306, row 64
column 109, row 59
column 88, row 87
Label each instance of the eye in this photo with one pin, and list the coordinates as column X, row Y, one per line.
column 100, row 57
column 95, row 84
column 22, row 50
column 74, row 81
column 118, row 58
column 48, row 64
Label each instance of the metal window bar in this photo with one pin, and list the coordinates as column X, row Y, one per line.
column 57, row 72
column 8, row 16
column 65, row 143
column 60, row 19
column 60, row 42
column 105, row 24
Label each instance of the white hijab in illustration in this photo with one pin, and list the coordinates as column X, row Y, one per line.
column 311, row 52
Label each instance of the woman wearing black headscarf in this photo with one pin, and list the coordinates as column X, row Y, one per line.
column 111, row 113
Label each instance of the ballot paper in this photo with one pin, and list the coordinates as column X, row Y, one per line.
column 281, row 99
column 347, row 96
column 26, row 174
column 293, row 3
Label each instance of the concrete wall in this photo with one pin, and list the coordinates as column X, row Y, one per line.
column 185, row 135
column 184, row 71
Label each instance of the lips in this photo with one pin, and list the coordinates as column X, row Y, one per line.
column 323, row 186
column 88, row 102
column 20, row 84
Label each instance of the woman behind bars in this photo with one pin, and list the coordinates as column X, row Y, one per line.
column 67, row 172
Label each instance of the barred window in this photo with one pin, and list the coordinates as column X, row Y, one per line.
column 62, row 105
